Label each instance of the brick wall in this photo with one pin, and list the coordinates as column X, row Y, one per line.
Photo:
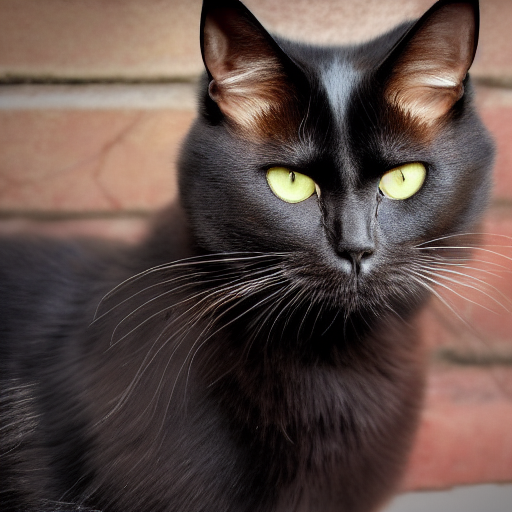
column 96, row 97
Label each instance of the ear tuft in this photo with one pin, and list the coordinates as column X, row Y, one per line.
column 427, row 68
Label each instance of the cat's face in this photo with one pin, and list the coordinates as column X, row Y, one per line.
column 349, row 160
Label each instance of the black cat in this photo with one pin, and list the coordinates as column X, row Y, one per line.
column 257, row 352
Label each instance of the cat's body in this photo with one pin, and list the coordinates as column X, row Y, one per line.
column 274, row 365
column 298, row 424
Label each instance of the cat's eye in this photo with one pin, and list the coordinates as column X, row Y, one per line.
column 404, row 181
column 290, row 186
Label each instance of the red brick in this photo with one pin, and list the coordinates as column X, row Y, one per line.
column 97, row 39
column 494, row 57
column 495, row 106
column 477, row 323
column 155, row 39
column 98, row 160
column 334, row 22
column 74, row 159
column 465, row 435
column 331, row 21
column 127, row 229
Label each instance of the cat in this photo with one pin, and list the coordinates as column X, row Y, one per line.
column 257, row 352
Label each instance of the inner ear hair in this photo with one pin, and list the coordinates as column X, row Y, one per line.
column 248, row 80
column 428, row 67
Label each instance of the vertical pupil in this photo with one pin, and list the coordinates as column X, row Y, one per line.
column 292, row 176
column 403, row 177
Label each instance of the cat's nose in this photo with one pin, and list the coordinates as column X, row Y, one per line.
column 351, row 231
column 356, row 256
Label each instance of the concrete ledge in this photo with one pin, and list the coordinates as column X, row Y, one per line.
column 478, row 498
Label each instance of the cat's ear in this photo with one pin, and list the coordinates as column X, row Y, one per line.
column 426, row 70
column 249, row 75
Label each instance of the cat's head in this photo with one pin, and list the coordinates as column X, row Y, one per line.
column 350, row 160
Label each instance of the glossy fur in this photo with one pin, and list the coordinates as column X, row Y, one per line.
column 251, row 354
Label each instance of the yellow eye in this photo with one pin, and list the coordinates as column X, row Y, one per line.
column 404, row 181
column 290, row 186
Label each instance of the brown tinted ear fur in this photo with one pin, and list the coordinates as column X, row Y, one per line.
column 249, row 79
column 430, row 64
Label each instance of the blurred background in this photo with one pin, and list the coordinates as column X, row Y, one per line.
column 95, row 98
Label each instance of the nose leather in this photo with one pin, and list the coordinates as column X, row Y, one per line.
column 352, row 232
column 355, row 256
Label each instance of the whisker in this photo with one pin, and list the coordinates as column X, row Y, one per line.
column 252, row 337
column 194, row 260
column 233, row 320
column 476, row 248
column 199, row 343
column 161, row 283
column 198, row 312
column 456, row 235
column 438, row 274
column 419, row 279
column 260, row 320
column 438, row 260
column 432, row 280
column 205, row 293
column 289, row 306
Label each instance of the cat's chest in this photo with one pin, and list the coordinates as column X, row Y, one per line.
column 313, row 427
column 341, row 434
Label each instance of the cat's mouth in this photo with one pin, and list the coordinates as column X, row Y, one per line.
column 354, row 288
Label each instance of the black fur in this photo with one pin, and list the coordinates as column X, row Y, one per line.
column 258, row 366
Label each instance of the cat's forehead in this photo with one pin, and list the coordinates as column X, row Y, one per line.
column 339, row 77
